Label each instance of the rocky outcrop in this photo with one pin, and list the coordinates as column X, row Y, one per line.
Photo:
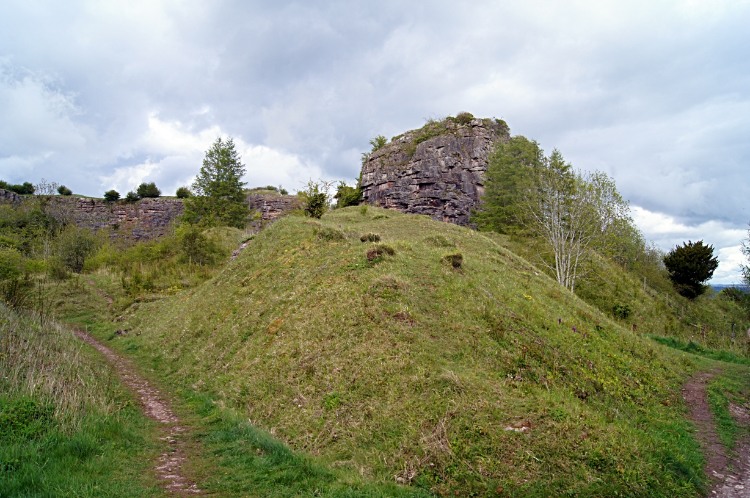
column 6, row 196
column 143, row 220
column 271, row 207
column 438, row 170
column 265, row 208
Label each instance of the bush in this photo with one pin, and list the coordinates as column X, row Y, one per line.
column 455, row 259
column 148, row 190
column 74, row 245
column 621, row 311
column 315, row 198
column 363, row 210
column 347, row 196
column 464, row 118
column 132, row 197
column 63, row 190
column 376, row 252
column 183, row 193
column 111, row 195
column 330, row 234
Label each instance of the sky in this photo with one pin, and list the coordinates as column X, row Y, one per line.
column 98, row 95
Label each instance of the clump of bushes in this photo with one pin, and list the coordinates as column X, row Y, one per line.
column 463, row 118
column 25, row 188
column 621, row 311
column 183, row 193
column 63, row 190
column 148, row 190
column 455, row 259
column 132, row 197
column 376, row 252
column 370, row 237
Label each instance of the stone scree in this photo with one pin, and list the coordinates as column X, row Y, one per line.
column 444, row 178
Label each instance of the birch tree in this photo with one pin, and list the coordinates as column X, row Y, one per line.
column 574, row 214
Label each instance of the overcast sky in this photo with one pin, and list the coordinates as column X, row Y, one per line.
column 98, row 95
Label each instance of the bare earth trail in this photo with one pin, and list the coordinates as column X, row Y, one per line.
column 730, row 476
column 169, row 467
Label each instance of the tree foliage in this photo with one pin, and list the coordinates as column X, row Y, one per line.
column 145, row 190
column 690, row 266
column 574, row 213
column 315, row 197
column 63, row 190
column 510, row 175
column 219, row 198
column 183, row 193
column 111, row 195
column 746, row 251
column 25, row 188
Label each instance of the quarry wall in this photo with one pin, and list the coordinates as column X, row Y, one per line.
column 148, row 218
column 437, row 171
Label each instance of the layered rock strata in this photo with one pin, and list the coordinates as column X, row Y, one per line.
column 438, row 170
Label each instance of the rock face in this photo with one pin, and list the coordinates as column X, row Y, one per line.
column 438, row 170
column 143, row 220
column 148, row 218
column 8, row 196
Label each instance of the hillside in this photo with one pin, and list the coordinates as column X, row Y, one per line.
column 487, row 378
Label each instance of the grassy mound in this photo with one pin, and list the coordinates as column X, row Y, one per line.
column 433, row 358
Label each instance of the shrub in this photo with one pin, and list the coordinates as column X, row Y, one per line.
column 330, row 234
column 315, row 198
column 183, row 193
column 376, row 252
column 621, row 311
column 370, row 237
column 363, row 210
column 455, row 259
column 25, row 188
column 63, row 190
column 74, row 245
column 464, row 118
column 148, row 190
column 347, row 196
column 132, row 197
column 111, row 195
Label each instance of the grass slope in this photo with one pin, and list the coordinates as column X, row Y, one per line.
column 488, row 379
column 66, row 426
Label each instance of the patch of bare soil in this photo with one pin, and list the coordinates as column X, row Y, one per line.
column 169, row 467
column 730, row 475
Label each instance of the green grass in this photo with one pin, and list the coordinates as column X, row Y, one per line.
column 697, row 349
column 405, row 368
column 66, row 426
column 723, row 392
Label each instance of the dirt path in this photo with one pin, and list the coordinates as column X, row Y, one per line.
column 169, row 467
column 731, row 476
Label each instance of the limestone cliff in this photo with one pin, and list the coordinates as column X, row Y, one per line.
column 438, row 170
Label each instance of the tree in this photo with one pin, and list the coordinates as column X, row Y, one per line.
column 148, row 190
column 690, row 266
column 315, row 198
column 348, row 196
column 510, row 174
column 746, row 251
column 63, row 190
column 183, row 193
column 219, row 197
column 132, row 197
column 111, row 195
column 574, row 214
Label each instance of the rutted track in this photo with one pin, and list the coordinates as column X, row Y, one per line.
column 169, row 467
column 730, row 476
